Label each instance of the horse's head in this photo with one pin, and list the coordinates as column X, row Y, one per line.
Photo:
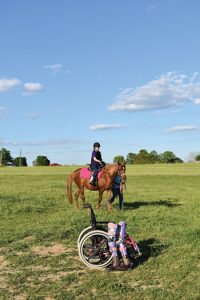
column 122, row 172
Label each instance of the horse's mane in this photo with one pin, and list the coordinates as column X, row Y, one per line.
column 107, row 167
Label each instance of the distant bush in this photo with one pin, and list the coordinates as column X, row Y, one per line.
column 41, row 160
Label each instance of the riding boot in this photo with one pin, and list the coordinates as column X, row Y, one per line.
column 126, row 264
column 126, row 260
column 115, row 264
column 92, row 181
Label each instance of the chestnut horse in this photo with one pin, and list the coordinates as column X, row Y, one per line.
column 105, row 182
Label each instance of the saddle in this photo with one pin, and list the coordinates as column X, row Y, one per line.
column 87, row 172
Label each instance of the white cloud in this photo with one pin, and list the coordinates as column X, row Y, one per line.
column 183, row 128
column 162, row 4
column 169, row 90
column 192, row 155
column 54, row 69
column 31, row 88
column 105, row 126
column 7, row 84
column 31, row 115
column 50, row 142
column 2, row 111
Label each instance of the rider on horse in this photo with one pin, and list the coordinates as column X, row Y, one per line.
column 96, row 162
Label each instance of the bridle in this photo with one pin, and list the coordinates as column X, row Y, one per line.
column 122, row 174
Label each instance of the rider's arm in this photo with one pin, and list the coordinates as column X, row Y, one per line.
column 95, row 159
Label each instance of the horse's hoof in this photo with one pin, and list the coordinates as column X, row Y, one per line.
column 109, row 208
column 98, row 206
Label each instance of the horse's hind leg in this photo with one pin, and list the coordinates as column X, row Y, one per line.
column 76, row 195
column 82, row 195
column 100, row 199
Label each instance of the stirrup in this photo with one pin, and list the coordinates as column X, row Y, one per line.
column 92, row 182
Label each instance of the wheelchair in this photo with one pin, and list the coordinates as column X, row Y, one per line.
column 93, row 244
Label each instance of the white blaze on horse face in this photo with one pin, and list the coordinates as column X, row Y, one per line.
column 122, row 174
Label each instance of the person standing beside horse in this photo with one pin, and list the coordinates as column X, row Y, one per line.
column 117, row 190
column 96, row 162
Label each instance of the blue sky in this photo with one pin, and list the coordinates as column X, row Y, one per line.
column 124, row 73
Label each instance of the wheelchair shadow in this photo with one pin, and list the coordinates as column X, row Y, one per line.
column 149, row 248
column 138, row 204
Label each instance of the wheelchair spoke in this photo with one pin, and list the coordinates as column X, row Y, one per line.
column 96, row 251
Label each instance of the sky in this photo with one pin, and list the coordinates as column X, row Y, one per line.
column 125, row 74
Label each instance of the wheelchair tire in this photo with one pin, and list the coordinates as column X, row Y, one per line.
column 94, row 249
column 83, row 232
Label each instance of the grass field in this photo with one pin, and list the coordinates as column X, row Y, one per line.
column 39, row 229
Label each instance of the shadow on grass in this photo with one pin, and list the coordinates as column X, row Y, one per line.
column 149, row 248
column 138, row 204
column 9, row 198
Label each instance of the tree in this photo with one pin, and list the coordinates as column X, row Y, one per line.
column 142, row 157
column 197, row 158
column 41, row 160
column 154, row 157
column 119, row 158
column 178, row 160
column 5, row 157
column 169, row 157
column 130, row 158
column 20, row 161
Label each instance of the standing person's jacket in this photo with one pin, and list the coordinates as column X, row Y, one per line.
column 116, row 182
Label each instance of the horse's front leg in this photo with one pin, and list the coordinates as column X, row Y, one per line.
column 100, row 198
column 108, row 201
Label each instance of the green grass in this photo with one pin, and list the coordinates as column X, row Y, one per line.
column 39, row 229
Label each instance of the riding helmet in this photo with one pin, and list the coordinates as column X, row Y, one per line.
column 96, row 145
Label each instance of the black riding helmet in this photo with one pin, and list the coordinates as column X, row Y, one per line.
column 96, row 145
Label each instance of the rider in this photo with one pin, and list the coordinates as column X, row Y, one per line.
column 96, row 162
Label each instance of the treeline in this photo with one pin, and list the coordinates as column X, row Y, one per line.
column 145, row 157
column 142, row 157
column 6, row 159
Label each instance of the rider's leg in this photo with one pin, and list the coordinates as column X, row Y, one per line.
column 94, row 175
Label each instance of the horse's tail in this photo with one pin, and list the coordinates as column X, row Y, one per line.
column 69, row 188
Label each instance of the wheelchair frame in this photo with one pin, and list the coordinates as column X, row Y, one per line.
column 93, row 245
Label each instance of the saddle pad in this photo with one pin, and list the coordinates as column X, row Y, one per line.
column 85, row 173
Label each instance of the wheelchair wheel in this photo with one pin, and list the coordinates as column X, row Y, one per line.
column 94, row 250
column 83, row 232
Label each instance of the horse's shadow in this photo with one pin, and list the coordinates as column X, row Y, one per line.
column 149, row 248
column 138, row 204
